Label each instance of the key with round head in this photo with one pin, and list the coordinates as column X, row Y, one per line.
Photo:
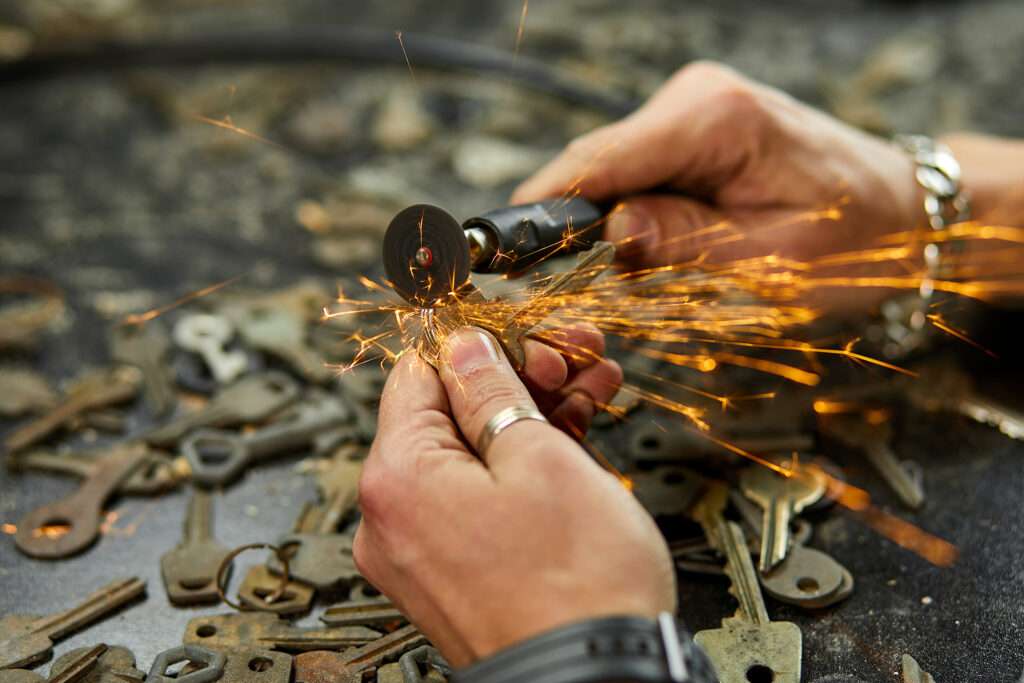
column 748, row 646
column 207, row 335
column 25, row 639
column 352, row 665
column 266, row 630
column 189, row 571
column 253, row 398
column 780, row 497
column 873, row 437
column 145, row 346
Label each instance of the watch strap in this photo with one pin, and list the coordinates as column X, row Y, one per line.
column 618, row 648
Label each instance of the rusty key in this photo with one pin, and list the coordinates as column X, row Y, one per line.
column 28, row 639
column 373, row 612
column 251, row 399
column 253, row 665
column 115, row 665
column 350, row 666
column 261, row 590
column 155, row 475
column 190, row 570
column 145, row 346
column 81, row 511
column 265, row 630
column 95, row 390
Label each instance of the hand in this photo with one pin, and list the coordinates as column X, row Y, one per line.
column 483, row 553
column 713, row 156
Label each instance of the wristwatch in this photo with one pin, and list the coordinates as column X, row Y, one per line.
column 904, row 326
column 612, row 649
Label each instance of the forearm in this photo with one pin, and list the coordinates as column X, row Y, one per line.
column 993, row 174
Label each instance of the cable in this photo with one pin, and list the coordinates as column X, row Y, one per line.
column 307, row 44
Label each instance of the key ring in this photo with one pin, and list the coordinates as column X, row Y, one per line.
column 229, row 559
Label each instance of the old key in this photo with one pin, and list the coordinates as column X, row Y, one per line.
column 94, row 390
column 153, row 476
column 265, row 630
column 145, row 346
column 190, row 570
column 81, row 512
column 780, row 497
column 748, row 646
column 206, row 335
column 251, row 399
column 27, row 639
column 282, row 333
column 114, row 665
column 350, row 666
column 217, row 457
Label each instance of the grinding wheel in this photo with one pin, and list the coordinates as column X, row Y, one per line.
column 426, row 254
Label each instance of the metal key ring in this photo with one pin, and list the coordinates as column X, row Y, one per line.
column 229, row 558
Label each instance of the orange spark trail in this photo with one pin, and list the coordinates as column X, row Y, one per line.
column 401, row 42
column 141, row 318
column 227, row 124
column 522, row 26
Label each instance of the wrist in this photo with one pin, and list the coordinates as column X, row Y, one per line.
column 992, row 172
column 605, row 649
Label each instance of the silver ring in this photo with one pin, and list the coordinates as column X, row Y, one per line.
column 501, row 421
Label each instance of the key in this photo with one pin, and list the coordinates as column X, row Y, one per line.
column 262, row 590
column 265, row 630
column 23, row 391
column 282, row 333
column 80, row 666
column 666, row 491
column 216, row 457
column 780, row 498
column 651, row 442
column 409, row 665
column 190, row 570
column 254, row 665
column 81, row 512
column 912, row 672
column 207, row 335
column 154, row 475
column 317, row 555
column 145, row 346
column 253, row 398
column 873, row 438
column 115, row 665
column 94, row 390
column 748, row 647
column 373, row 612
column 949, row 388
column 352, row 665
column 26, row 639
column 211, row 670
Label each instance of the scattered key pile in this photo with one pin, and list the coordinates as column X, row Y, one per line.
column 263, row 364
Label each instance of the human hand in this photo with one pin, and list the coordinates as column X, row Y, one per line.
column 481, row 553
column 717, row 165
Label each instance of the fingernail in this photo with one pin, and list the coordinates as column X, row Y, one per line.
column 469, row 349
column 627, row 223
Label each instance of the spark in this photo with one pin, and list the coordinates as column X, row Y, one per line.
column 142, row 318
column 937, row 320
column 401, row 43
column 9, row 529
column 227, row 124
column 522, row 26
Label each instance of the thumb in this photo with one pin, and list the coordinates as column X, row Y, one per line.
column 480, row 383
column 657, row 230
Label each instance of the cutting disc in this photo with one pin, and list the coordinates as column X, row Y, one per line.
column 426, row 254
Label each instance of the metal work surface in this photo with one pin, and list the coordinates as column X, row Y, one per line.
column 114, row 188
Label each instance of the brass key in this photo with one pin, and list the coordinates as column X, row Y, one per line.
column 145, row 346
column 373, row 612
column 190, row 570
column 94, row 390
column 780, row 497
column 81, row 511
column 28, row 639
column 281, row 333
column 748, row 646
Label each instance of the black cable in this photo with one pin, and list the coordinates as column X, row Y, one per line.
column 310, row 44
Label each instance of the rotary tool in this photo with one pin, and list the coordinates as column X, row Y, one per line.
column 428, row 255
